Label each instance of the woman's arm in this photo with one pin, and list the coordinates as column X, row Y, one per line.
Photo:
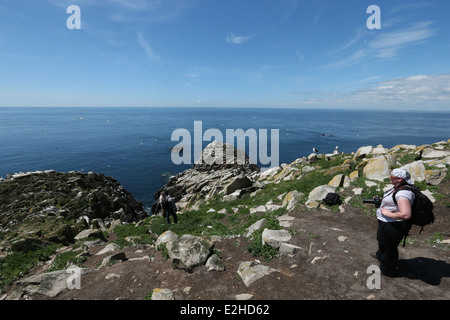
column 403, row 213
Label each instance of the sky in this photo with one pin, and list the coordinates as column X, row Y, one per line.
column 339, row 54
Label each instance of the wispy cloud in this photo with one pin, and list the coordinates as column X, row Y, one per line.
column 137, row 4
column 419, row 92
column 382, row 44
column 387, row 45
column 153, row 11
column 231, row 38
column 351, row 60
column 148, row 49
column 299, row 55
column 411, row 90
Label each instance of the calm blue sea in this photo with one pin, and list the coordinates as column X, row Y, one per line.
column 133, row 144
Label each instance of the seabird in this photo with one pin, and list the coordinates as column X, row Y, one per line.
column 315, row 150
column 419, row 157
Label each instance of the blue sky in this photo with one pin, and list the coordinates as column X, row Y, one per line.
column 226, row 53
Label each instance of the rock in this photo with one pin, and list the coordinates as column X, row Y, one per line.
column 287, row 248
column 115, row 257
column 402, row 147
column 108, row 248
column 291, row 199
column 267, row 174
column 53, row 283
column 285, row 220
column 60, row 203
column 240, row 182
column 231, row 197
column 354, row 175
column 308, row 169
column 27, row 244
column 435, row 177
column 162, row 294
column 273, row 207
column 64, row 235
column 256, row 226
column 286, row 172
column 208, row 178
column 275, row 238
column 416, row 169
column 431, row 153
column 319, row 193
column 244, row 296
column 188, row 252
column 165, row 238
column 312, row 158
column 214, row 263
column 250, row 272
column 346, row 182
column 378, row 168
column 318, row 259
column 90, row 233
column 112, row 276
column 337, row 181
column 370, row 183
column 363, row 152
column 259, row 209
column 379, row 150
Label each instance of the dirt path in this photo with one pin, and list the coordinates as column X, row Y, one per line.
column 332, row 264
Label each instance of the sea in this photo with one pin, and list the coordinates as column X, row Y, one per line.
column 133, row 144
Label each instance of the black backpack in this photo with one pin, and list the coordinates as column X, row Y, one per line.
column 172, row 205
column 165, row 203
column 331, row 199
column 422, row 208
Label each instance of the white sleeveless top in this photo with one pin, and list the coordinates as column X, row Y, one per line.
column 388, row 203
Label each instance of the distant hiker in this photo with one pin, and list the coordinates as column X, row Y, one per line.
column 393, row 222
column 162, row 203
column 171, row 209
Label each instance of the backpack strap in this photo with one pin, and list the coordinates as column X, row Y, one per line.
column 402, row 187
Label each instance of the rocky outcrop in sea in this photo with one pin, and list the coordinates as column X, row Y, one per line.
column 47, row 206
column 222, row 170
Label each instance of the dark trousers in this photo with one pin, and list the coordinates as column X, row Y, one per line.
column 171, row 212
column 389, row 236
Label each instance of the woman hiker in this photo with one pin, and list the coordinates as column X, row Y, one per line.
column 393, row 222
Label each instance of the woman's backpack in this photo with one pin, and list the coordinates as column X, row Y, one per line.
column 422, row 208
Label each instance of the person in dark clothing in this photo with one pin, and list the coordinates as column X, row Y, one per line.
column 393, row 222
column 171, row 209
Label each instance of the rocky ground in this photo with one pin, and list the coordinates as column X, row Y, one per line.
column 333, row 263
column 327, row 267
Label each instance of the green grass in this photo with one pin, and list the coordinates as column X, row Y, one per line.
column 137, row 234
column 257, row 248
column 62, row 259
column 17, row 264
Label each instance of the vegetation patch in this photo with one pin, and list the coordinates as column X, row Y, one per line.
column 15, row 265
